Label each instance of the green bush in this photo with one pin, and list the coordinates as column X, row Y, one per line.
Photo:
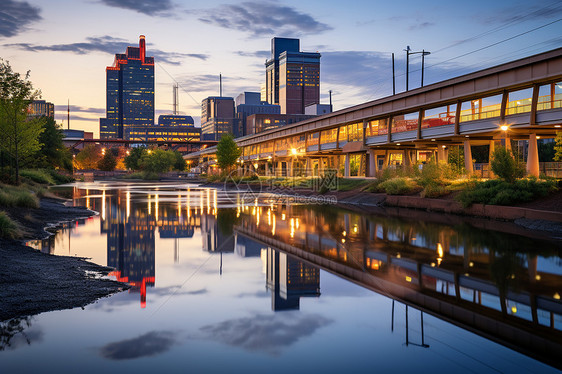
column 499, row 192
column 8, row 228
column 60, row 178
column 38, row 176
column 434, row 191
column 13, row 197
column 398, row 186
column 505, row 166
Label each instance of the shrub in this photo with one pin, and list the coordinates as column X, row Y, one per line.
column 398, row 186
column 60, row 178
column 498, row 192
column 108, row 162
column 8, row 228
column 504, row 165
column 434, row 190
column 12, row 197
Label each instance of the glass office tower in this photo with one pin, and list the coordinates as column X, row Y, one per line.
column 130, row 93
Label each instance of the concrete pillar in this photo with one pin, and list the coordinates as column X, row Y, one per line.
column 533, row 156
column 321, row 166
column 308, row 166
column 490, row 156
column 468, row 158
column 386, row 159
column 441, row 154
column 406, row 158
column 372, row 163
column 346, row 173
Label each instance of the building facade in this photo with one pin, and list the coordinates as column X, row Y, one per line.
column 249, row 103
column 129, row 93
column 41, row 108
column 259, row 122
column 292, row 77
column 217, row 117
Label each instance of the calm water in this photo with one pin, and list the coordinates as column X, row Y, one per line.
column 226, row 282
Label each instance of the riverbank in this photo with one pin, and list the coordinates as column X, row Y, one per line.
column 33, row 282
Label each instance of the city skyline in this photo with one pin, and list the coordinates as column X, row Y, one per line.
column 233, row 39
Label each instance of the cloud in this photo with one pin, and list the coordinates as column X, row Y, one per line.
column 161, row 8
column 15, row 16
column 260, row 54
column 107, row 44
column 268, row 333
column 78, row 108
column 514, row 14
column 150, row 344
column 259, row 18
column 421, row 26
column 232, row 86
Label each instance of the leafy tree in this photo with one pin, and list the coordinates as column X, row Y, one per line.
column 157, row 161
column 179, row 162
column 52, row 152
column 133, row 160
column 108, row 161
column 558, row 147
column 88, row 157
column 227, row 152
column 19, row 134
column 504, row 165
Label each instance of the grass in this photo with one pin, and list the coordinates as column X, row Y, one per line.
column 17, row 197
column 398, row 186
column 45, row 176
column 348, row 184
column 8, row 228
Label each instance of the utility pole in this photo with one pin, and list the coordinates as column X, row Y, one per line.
column 408, row 53
column 68, row 115
column 407, row 64
column 393, row 77
column 331, row 108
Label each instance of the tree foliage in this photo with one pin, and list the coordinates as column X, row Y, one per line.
column 87, row 158
column 505, row 166
column 108, row 161
column 558, row 147
column 227, row 152
column 19, row 134
column 52, row 152
column 179, row 161
column 133, row 159
column 158, row 161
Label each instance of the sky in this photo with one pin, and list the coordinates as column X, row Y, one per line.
column 67, row 44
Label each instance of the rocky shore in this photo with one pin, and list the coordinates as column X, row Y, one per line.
column 32, row 282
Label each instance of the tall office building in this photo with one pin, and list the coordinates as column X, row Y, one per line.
column 292, row 77
column 217, row 117
column 249, row 103
column 130, row 94
column 41, row 108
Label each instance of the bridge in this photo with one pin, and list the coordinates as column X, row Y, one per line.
column 519, row 100
column 183, row 145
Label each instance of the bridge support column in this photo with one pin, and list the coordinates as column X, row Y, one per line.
column 372, row 163
column 468, row 165
column 490, row 156
column 346, row 170
column 406, row 158
column 442, row 154
column 533, row 156
column 308, row 166
column 290, row 168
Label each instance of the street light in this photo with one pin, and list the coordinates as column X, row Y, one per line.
column 408, row 53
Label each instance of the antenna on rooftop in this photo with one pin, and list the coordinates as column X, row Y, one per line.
column 68, row 115
column 176, row 99
column 220, row 84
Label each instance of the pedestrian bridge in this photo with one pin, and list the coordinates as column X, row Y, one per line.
column 513, row 103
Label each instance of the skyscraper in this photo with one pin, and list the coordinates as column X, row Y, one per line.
column 130, row 94
column 217, row 117
column 292, row 77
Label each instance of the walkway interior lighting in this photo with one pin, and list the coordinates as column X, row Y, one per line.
column 444, row 146
column 504, row 127
column 432, row 140
column 397, row 143
column 294, row 151
column 556, row 125
column 538, row 137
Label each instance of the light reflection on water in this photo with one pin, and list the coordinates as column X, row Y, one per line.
column 265, row 286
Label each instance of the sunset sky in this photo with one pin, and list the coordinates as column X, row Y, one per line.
column 68, row 43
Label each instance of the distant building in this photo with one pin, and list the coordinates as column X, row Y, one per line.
column 257, row 123
column 130, row 94
column 170, row 128
column 249, row 103
column 41, row 108
column 217, row 117
column 292, row 77
column 318, row 109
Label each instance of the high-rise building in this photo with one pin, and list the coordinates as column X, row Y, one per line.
column 249, row 103
column 130, row 93
column 292, row 77
column 170, row 128
column 41, row 108
column 217, row 117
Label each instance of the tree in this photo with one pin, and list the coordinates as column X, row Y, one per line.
column 52, row 152
column 179, row 162
column 504, row 165
column 227, row 152
column 87, row 158
column 157, row 161
column 108, row 161
column 558, row 147
column 19, row 134
column 133, row 160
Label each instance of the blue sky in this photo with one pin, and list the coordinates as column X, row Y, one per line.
column 68, row 43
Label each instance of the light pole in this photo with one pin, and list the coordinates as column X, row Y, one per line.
column 408, row 53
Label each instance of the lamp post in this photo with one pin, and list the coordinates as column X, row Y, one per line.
column 409, row 52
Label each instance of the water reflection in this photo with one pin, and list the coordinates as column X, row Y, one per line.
column 502, row 286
